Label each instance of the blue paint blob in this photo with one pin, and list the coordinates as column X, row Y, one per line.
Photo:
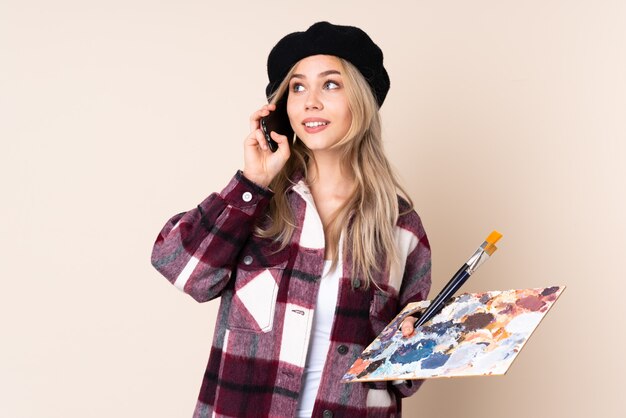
column 413, row 352
column 435, row 360
column 442, row 328
column 439, row 328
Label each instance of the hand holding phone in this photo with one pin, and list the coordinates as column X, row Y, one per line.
column 261, row 166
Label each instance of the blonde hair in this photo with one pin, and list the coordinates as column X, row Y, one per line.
column 368, row 217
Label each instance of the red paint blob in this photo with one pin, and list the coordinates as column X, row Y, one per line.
column 531, row 303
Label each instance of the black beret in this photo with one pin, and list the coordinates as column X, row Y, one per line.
column 323, row 38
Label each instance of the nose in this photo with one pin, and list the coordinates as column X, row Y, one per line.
column 313, row 101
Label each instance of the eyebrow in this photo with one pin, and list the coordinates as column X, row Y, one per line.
column 322, row 74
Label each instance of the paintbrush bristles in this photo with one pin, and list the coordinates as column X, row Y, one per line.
column 493, row 237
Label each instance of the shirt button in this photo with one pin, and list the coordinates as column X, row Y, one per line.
column 328, row 414
column 247, row 196
column 356, row 283
column 342, row 349
column 247, row 260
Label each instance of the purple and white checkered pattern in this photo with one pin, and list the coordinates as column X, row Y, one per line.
column 268, row 300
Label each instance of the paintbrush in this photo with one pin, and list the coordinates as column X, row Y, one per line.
column 482, row 253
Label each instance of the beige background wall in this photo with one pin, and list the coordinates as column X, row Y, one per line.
column 114, row 115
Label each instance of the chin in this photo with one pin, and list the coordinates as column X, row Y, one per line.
column 317, row 143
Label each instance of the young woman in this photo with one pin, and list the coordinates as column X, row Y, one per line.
column 310, row 248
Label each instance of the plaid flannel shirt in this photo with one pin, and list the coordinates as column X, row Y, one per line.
column 268, row 300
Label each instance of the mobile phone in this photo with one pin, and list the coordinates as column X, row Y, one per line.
column 276, row 121
column 265, row 123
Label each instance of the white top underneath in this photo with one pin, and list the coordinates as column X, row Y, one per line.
column 320, row 338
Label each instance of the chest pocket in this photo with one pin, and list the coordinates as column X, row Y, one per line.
column 383, row 309
column 259, row 272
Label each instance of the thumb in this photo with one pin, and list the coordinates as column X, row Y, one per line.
column 408, row 326
column 283, row 143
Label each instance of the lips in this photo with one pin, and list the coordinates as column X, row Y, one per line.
column 314, row 125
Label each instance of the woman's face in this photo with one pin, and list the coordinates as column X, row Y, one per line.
column 317, row 104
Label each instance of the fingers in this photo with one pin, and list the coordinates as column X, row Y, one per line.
column 260, row 139
column 261, row 113
column 281, row 140
column 255, row 140
column 408, row 326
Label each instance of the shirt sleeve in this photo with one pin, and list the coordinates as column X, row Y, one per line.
column 197, row 250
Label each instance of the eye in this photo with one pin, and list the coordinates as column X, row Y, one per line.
column 331, row 85
column 297, row 87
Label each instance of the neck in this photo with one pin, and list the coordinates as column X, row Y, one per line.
column 331, row 185
column 329, row 174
